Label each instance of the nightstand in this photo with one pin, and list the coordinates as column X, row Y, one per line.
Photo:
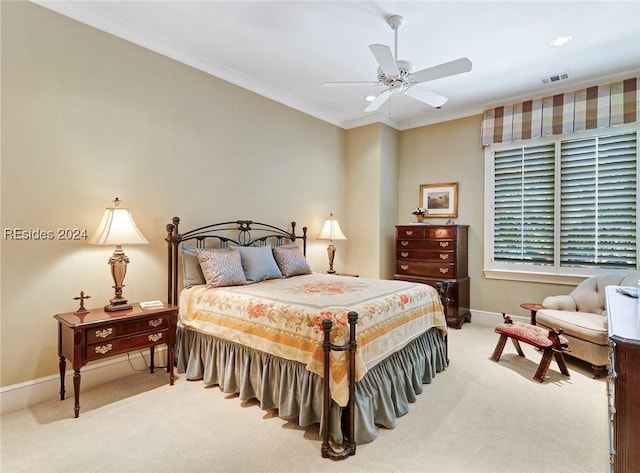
column 98, row 334
column 348, row 274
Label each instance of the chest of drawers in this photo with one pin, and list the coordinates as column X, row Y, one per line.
column 434, row 253
column 623, row 386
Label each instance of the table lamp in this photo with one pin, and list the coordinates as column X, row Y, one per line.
column 117, row 228
column 331, row 231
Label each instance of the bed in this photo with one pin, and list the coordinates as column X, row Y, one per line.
column 256, row 321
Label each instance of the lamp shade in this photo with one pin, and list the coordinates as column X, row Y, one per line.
column 117, row 228
column 331, row 230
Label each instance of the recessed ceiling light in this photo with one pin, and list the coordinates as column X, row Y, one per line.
column 370, row 98
column 560, row 41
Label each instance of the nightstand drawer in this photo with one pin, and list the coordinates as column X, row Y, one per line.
column 119, row 329
column 121, row 345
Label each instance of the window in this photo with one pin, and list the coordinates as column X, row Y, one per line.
column 563, row 205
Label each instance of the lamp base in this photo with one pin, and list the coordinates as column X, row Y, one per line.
column 117, row 305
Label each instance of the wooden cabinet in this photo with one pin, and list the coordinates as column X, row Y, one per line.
column 433, row 253
column 99, row 334
column 623, row 385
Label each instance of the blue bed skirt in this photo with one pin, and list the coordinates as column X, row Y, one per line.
column 382, row 395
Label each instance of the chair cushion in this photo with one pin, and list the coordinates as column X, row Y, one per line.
column 582, row 325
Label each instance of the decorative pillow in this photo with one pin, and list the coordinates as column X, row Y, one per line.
column 221, row 267
column 258, row 263
column 291, row 261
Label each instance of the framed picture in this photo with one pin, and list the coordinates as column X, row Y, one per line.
column 440, row 200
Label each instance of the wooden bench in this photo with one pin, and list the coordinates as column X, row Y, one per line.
column 551, row 342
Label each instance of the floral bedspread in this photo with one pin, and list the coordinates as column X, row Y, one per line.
column 283, row 317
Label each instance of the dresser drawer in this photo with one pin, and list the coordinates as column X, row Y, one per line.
column 410, row 233
column 423, row 268
column 444, row 233
column 426, row 244
column 426, row 255
column 121, row 345
column 115, row 330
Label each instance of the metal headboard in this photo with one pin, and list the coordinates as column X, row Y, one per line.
column 223, row 235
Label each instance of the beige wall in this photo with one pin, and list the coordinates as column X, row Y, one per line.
column 87, row 117
column 389, row 160
column 363, row 201
column 371, row 196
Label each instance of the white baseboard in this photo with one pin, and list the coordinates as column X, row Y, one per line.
column 26, row 394
column 493, row 318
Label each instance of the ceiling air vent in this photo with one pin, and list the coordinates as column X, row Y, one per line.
column 555, row 78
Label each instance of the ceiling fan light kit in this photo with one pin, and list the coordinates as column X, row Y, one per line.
column 398, row 76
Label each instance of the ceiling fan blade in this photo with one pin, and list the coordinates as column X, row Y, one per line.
column 426, row 96
column 385, row 59
column 349, row 83
column 378, row 101
column 451, row 68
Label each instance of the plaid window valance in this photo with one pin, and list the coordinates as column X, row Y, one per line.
column 600, row 106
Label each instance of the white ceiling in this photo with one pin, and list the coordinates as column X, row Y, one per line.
column 285, row 50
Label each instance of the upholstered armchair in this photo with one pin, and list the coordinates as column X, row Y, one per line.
column 582, row 315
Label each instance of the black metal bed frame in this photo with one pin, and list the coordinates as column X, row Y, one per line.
column 219, row 233
column 224, row 234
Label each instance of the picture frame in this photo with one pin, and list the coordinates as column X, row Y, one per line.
column 440, row 200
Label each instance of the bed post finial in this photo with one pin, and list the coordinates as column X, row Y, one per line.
column 304, row 241
column 172, row 292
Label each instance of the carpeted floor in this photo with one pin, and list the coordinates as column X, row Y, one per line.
column 477, row 416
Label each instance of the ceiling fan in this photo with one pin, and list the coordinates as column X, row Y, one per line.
column 398, row 76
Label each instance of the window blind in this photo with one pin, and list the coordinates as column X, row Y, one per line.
column 524, row 205
column 598, row 202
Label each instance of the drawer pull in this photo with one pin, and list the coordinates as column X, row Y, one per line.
column 404, row 243
column 404, row 267
column 404, row 254
column 154, row 337
column 104, row 333
column 444, row 256
column 444, row 270
column 104, row 349
column 155, row 322
column 409, row 232
column 444, row 244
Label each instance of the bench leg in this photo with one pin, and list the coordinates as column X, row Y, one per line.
column 561, row 363
column 516, row 344
column 543, row 367
column 499, row 347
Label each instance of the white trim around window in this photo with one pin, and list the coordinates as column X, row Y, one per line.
column 550, row 274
